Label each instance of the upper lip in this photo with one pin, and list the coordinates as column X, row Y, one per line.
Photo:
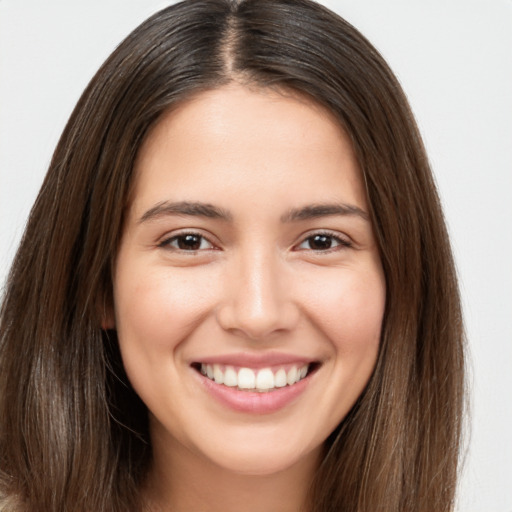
column 255, row 360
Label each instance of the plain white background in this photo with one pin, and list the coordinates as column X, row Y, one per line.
column 454, row 60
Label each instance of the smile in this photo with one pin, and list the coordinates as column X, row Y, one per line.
column 256, row 383
column 257, row 380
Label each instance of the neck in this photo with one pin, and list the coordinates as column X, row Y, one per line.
column 183, row 481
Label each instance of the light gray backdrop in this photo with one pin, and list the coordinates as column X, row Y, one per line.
column 454, row 59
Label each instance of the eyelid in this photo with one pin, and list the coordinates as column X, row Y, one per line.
column 343, row 241
column 165, row 242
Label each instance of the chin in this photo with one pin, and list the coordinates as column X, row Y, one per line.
column 261, row 457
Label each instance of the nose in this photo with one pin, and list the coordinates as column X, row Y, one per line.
column 258, row 301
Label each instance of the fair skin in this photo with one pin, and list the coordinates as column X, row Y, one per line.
column 248, row 250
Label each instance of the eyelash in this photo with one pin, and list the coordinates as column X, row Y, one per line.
column 181, row 236
column 341, row 243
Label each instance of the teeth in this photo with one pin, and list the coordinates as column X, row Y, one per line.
column 280, row 379
column 291, row 376
column 246, row 378
column 257, row 380
column 218, row 375
column 265, row 379
column 230, row 377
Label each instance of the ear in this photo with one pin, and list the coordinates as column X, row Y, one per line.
column 108, row 322
column 107, row 315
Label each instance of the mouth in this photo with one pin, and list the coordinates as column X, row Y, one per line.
column 256, row 380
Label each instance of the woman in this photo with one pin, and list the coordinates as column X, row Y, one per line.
column 236, row 288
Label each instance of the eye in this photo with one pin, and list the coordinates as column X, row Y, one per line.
column 189, row 242
column 322, row 242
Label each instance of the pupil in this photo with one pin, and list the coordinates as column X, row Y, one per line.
column 189, row 242
column 319, row 242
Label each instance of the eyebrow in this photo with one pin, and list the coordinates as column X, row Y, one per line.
column 323, row 210
column 199, row 209
column 194, row 209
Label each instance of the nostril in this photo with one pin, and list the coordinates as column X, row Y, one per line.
column 258, row 321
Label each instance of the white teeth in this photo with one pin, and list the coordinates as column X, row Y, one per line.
column 291, row 376
column 265, row 379
column 280, row 379
column 230, row 377
column 218, row 375
column 257, row 380
column 246, row 378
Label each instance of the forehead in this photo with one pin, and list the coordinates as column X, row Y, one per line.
column 235, row 140
column 240, row 107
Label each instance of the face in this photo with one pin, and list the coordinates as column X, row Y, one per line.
column 248, row 289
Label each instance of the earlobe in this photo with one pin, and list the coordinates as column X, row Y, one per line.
column 108, row 323
column 107, row 316
column 108, row 319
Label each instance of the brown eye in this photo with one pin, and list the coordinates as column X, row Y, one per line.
column 320, row 242
column 323, row 242
column 187, row 242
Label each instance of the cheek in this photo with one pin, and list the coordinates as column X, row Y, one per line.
column 349, row 310
column 157, row 309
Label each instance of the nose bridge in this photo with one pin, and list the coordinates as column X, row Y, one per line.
column 262, row 281
column 258, row 302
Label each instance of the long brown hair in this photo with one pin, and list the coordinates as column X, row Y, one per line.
column 73, row 434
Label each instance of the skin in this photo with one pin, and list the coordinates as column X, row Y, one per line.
column 255, row 283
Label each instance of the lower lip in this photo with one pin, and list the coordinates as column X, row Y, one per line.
column 253, row 402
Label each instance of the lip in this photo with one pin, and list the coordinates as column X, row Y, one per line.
column 252, row 402
column 256, row 361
